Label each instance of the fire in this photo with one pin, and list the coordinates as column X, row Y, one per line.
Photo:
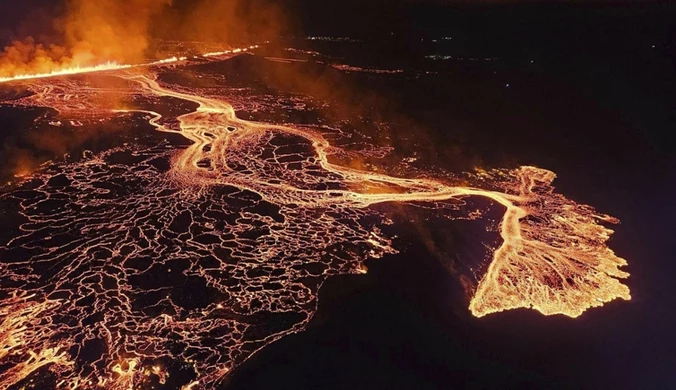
column 19, row 316
column 557, row 262
column 108, row 66
column 66, row 71
column 190, row 385
column 553, row 259
column 249, row 212
column 125, row 372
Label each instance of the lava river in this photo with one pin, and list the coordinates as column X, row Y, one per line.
column 126, row 272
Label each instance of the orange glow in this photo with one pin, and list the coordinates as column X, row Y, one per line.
column 17, row 330
column 558, row 265
column 103, row 33
column 553, row 257
column 66, row 71
column 112, row 66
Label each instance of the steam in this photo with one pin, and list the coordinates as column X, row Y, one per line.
column 225, row 21
column 95, row 32
column 110, row 30
column 90, row 33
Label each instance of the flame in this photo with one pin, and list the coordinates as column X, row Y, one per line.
column 264, row 208
column 125, row 372
column 67, row 71
column 20, row 313
column 108, row 66
column 560, row 265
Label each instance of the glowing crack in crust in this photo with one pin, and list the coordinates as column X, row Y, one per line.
column 125, row 272
column 108, row 66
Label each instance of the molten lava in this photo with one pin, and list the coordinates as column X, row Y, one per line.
column 65, row 71
column 251, row 218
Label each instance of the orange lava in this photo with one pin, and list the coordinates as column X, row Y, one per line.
column 66, row 71
column 553, row 258
column 113, row 66
column 258, row 216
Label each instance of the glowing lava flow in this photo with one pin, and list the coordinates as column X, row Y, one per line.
column 113, row 66
column 66, row 71
column 553, row 257
column 132, row 270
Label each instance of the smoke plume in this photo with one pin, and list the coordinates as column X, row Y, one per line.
column 95, row 32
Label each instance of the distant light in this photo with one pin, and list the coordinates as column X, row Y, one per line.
column 507, row 85
column 531, row 61
column 653, row 46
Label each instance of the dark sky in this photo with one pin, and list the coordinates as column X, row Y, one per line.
column 508, row 22
column 360, row 14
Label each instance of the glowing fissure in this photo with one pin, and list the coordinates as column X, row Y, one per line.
column 113, row 66
column 251, row 218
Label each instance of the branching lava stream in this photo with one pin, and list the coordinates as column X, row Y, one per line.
column 124, row 272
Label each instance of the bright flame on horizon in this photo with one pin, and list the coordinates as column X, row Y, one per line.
column 67, row 71
column 107, row 66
